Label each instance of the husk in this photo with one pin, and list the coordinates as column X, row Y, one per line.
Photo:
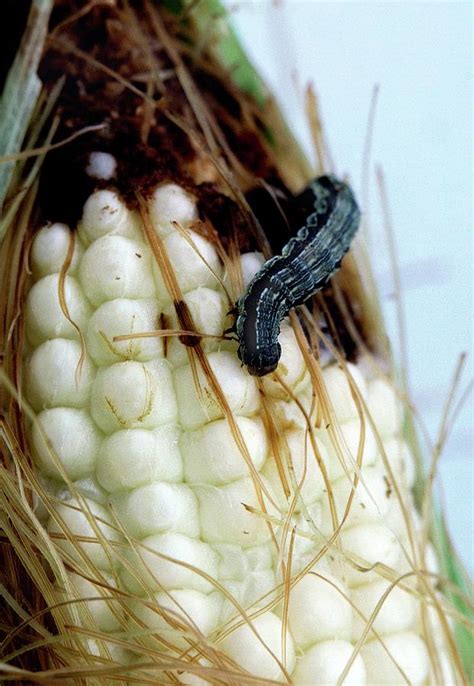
column 21, row 91
column 40, row 645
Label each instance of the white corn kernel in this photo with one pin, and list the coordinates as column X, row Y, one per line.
column 208, row 310
column 198, row 406
column 319, row 609
column 429, row 622
column 122, row 317
column 296, row 413
column 250, row 263
column 158, row 508
column 307, row 531
column 211, row 454
column 116, row 267
column 258, row 587
column 397, row 613
column 233, row 563
column 224, row 516
column 171, row 203
column 301, row 469
column 135, row 457
column 372, row 543
column 372, row 499
column 105, row 613
column 259, row 557
column 68, row 436
column 236, row 590
column 50, row 249
column 108, row 650
column 44, row 317
column 400, row 459
column 180, row 614
column 431, row 559
column 385, row 408
column 194, row 260
column 77, row 522
column 102, row 165
column 395, row 518
column 55, row 375
column 343, row 452
column 157, row 563
column 130, row 395
column 50, row 487
column 105, row 213
column 324, row 662
column 260, row 650
column 407, row 652
column 90, row 488
column 340, row 392
column 291, row 366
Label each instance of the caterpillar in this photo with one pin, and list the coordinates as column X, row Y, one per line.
column 305, row 265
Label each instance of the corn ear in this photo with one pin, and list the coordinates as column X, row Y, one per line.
column 169, row 518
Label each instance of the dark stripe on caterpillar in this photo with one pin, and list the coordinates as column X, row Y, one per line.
column 306, row 263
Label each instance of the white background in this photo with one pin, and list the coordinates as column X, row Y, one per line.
column 419, row 53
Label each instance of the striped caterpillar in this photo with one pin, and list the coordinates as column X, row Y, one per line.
column 305, row 265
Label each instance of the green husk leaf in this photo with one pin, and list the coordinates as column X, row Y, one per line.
column 452, row 568
column 22, row 89
column 211, row 23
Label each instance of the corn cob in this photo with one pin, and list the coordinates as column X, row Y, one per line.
column 134, row 430
column 206, row 526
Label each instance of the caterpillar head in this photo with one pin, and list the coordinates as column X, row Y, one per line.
column 260, row 362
